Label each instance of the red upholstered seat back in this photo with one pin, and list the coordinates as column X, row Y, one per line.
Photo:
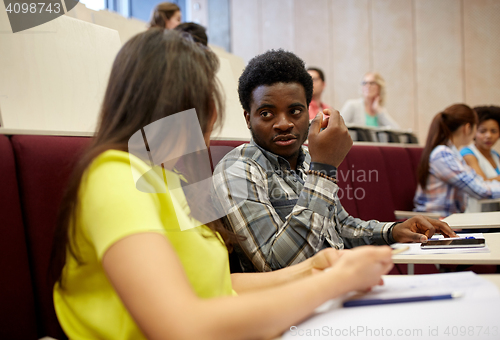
column 402, row 181
column 44, row 165
column 219, row 148
column 415, row 155
column 346, row 188
column 17, row 305
column 371, row 184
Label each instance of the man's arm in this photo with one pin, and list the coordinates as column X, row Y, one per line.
column 241, row 188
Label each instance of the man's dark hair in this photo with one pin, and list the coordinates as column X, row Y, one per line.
column 320, row 72
column 198, row 32
column 274, row 66
column 488, row 112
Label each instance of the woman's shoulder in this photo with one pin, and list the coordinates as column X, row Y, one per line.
column 351, row 102
column 441, row 151
column 467, row 150
column 120, row 169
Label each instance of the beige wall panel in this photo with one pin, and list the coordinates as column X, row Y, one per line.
column 350, row 47
column 234, row 125
column 53, row 76
column 237, row 63
column 126, row 28
column 245, row 28
column 482, row 51
column 439, row 59
column 392, row 48
column 312, row 38
column 277, row 24
column 81, row 12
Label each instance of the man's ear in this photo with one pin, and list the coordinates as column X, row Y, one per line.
column 247, row 118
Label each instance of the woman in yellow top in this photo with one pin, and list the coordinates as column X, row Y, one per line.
column 131, row 260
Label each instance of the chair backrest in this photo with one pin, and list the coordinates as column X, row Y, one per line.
column 402, row 179
column 219, row 148
column 369, row 178
column 346, row 188
column 44, row 165
column 17, row 305
column 415, row 155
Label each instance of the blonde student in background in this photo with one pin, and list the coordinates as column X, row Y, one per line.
column 369, row 110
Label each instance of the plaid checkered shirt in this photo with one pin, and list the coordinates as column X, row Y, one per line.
column 450, row 181
column 286, row 216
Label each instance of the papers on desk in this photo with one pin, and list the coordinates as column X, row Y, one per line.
column 416, row 250
column 479, row 307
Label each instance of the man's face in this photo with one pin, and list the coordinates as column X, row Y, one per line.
column 318, row 84
column 278, row 118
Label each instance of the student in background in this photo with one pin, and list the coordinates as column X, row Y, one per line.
column 444, row 179
column 127, row 268
column 480, row 156
column 369, row 110
column 198, row 32
column 166, row 15
column 319, row 84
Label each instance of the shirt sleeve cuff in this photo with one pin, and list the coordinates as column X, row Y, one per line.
column 327, row 169
column 382, row 234
column 318, row 195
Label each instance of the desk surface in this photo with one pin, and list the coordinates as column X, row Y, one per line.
column 479, row 220
column 495, row 278
column 493, row 257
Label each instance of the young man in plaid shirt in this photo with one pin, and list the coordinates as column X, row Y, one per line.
column 281, row 196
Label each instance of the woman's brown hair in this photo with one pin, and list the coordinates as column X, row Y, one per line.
column 157, row 73
column 162, row 13
column 443, row 125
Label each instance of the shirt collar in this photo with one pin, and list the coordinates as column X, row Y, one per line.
column 278, row 161
column 453, row 147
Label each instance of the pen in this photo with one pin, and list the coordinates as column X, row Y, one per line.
column 371, row 302
column 396, row 251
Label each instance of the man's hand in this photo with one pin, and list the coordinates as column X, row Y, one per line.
column 420, row 229
column 331, row 145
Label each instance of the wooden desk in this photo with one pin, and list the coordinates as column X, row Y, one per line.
column 479, row 220
column 493, row 257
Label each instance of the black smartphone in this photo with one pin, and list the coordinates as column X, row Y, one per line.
column 454, row 243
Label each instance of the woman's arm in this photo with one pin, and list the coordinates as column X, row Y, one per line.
column 385, row 119
column 446, row 166
column 471, row 161
column 348, row 112
column 245, row 282
column 150, row 280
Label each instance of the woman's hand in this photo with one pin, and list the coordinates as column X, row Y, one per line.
column 376, row 108
column 323, row 260
column 362, row 268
